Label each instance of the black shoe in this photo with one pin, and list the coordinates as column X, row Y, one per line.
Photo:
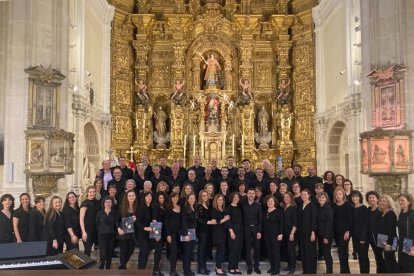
column 233, row 272
column 220, row 274
column 355, row 255
column 208, row 271
column 257, row 270
column 239, row 272
column 202, row 272
column 249, row 271
column 291, row 271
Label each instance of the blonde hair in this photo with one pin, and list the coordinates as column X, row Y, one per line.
column 200, row 197
column 390, row 202
column 337, row 190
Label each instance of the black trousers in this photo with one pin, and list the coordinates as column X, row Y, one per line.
column 188, row 247
column 220, row 251
column 390, row 263
column 157, row 252
column 362, row 251
column 405, row 262
column 89, row 242
column 325, row 251
column 174, row 245
column 235, row 247
column 202, row 250
column 126, row 249
column 106, row 249
column 342, row 252
column 378, row 256
column 250, row 239
column 273, row 252
column 291, row 252
column 69, row 244
column 308, row 253
column 144, row 250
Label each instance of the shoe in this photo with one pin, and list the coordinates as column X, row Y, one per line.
column 321, row 258
column 355, row 255
column 257, row 270
column 292, row 271
column 274, row 274
column 208, row 271
column 202, row 272
column 238, row 272
column 233, row 272
column 249, row 271
column 174, row 273
column 222, row 273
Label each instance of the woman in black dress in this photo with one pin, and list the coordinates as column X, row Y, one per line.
column 159, row 209
column 241, row 189
column 405, row 231
column 172, row 228
column 37, row 218
column 219, row 230
column 72, row 222
column 307, row 233
column 54, row 227
column 144, row 218
column 374, row 216
column 359, row 231
column 325, row 230
column 188, row 221
column 342, row 225
column 387, row 225
column 127, row 209
column 273, row 233
column 87, row 216
column 187, row 190
column 329, row 185
column 290, row 229
column 106, row 227
column 6, row 223
column 235, row 233
column 21, row 217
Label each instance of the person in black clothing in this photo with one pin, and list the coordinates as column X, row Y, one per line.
column 118, row 181
column 159, row 209
column 21, row 217
column 307, row 233
column 273, row 228
column 342, row 225
column 71, row 219
column 164, row 169
column 325, row 230
column 259, row 180
column 207, row 178
column 309, row 181
column 188, row 221
column 242, row 191
column 318, row 189
column 359, row 231
column 156, row 176
column 37, row 218
column 251, row 176
column 252, row 226
column 106, row 226
column 105, row 173
column 182, row 171
column 289, row 178
column 296, row 191
column 297, row 171
column 216, row 172
column 139, row 179
column 144, row 218
column 290, row 229
column 100, row 192
column 196, row 167
column 6, row 224
column 235, row 236
column 271, row 175
column 127, row 173
column 172, row 221
column 89, row 208
column 112, row 194
column 192, row 180
column 387, row 225
column 240, row 178
column 329, row 185
column 129, row 186
column 231, row 168
column 175, row 177
column 203, row 222
column 225, row 177
column 405, row 231
column 219, row 230
column 54, row 227
column 372, row 198
column 224, row 190
column 146, row 166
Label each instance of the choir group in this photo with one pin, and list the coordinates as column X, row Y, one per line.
column 232, row 209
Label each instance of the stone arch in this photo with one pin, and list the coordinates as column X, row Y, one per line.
column 338, row 156
column 91, row 159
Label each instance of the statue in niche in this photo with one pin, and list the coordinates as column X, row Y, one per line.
column 284, row 91
column 263, row 137
column 378, row 156
column 178, row 96
column 401, row 157
column 44, row 106
column 141, row 95
column 161, row 136
column 213, row 107
column 388, row 105
column 36, row 154
column 246, row 95
column 58, row 158
column 213, row 71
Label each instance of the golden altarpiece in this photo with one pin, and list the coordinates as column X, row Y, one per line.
column 213, row 78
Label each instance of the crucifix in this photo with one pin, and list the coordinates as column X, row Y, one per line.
column 131, row 151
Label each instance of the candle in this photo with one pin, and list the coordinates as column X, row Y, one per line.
column 194, row 145
column 185, row 146
column 224, row 147
column 242, row 145
column 232, row 145
column 202, row 147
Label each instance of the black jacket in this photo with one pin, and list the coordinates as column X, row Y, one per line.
column 106, row 223
column 360, row 223
column 325, row 221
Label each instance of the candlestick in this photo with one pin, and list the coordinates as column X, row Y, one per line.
column 232, row 146
column 202, row 147
column 242, row 145
column 194, row 145
column 185, row 146
column 224, row 147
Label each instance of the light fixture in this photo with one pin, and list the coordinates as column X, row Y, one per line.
column 357, row 82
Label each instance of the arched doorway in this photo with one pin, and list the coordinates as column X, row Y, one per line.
column 338, row 157
column 91, row 157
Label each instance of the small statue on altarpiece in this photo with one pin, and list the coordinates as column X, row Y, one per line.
column 179, row 97
column 401, row 156
column 161, row 136
column 284, row 91
column 213, row 68
column 263, row 136
column 246, row 94
column 141, row 94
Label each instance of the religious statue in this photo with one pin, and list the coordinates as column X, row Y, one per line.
column 284, row 91
column 161, row 136
column 36, row 154
column 178, row 96
column 212, row 67
column 401, row 157
column 141, row 95
column 58, row 158
column 213, row 107
column 263, row 136
column 246, row 94
column 378, row 156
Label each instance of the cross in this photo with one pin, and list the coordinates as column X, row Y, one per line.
column 131, row 151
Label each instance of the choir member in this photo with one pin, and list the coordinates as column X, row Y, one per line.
column 112, row 194
column 405, row 231
column 387, row 225
column 216, row 172
column 329, row 185
column 289, row 177
column 187, row 190
column 360, row 231
column 207, row 178
column 225, row 177
column 283, row 189
column 348, row 188
column 272, row 190
column 372, row 198
column 144, row 218
column 188, row 221
column 307, row 233
column 325, row 230
column 248, row 173
column 127, row 173
column 219, row 230
column 210, row 190
column 165, row 170
column 196, row 167
column 231, row 168
column 252, row 230
column 172, row 228
column 240, row 178
column 296, row 191
column 127, row 209
column 106, row 227
column 339, row 181
column 159, row 209
column 290, row 229
column 175, row 177
column 146, row 166
column 129, row 186
column 318, row 190
column 89, row 209
column 235, row 236
column 21, row 218
column 105, row 173
column 118, row 181
column 37, row 218
column 71, row 219
column 140, row 178
column 224, row 190
column 162, row 187
column 100, row 192
column 6, row 222
column 273, row 228
column 203, row 221
column 260, row 180
column 242, row 191
column 156, row 177
column 309, row 181
column 54, row 227
column 297, row 170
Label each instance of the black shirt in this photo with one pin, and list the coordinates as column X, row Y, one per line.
column 260, row 183
column 329, row 189
column 250, row 175
column 360, row 222
column 307, row 219
column 54, row 229
column 273, row 222
column 127, row 173
column 219, row 230
column 172, row 223
column 342, row 219
column 199, row 170
column 406, row 225
column 171, row 180
column 233, row 172
column 325, row 221
column 308, row 182
column 144, row 218
column 236, row 182
column 119, row 185
column 24, row 225
column 235, row 214
column 288, row 182
column 165, row 171
column 154, row 180
column 6, row 228
column 92, row 208
column 36, row 225
column 71, row 220
column 106, row 223
column 203, row 216
column 387, row 225
column 291, row 219
column 188, row 220
column 252, row 215
column 139, row 182
column 216, row 173
column 373, row 219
